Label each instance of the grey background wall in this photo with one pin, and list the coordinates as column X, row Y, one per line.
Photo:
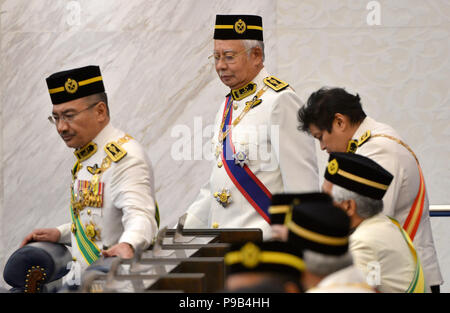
column 154, row 60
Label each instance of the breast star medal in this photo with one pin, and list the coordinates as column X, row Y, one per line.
column 223, row 197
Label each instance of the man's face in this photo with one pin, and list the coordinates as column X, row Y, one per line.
column 81, row 124
column 334, row 141
column 241, row 70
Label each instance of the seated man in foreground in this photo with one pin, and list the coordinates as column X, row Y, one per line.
column 111, row 206
column 380, row 247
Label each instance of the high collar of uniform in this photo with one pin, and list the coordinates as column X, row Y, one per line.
column 251, row 87
column 243, row 92
column 365, row 125
column 361, row 134
column 90, row 149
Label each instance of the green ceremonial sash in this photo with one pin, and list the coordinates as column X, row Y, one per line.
column 417, row 284
column 87, row 247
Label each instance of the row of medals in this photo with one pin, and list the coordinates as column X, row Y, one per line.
column 88, row 197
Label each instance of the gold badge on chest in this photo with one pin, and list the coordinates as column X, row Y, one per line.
column 92, row 231
column 94, row 169
column 223, row 197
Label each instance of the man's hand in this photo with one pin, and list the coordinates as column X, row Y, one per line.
column 123, row 250
column 280, row 232
column 42, row 234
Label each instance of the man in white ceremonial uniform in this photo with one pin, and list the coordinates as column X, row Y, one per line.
column 337, row 120
column 381, row 248
column 112, row 203
column 313, row 225
column 258, row 151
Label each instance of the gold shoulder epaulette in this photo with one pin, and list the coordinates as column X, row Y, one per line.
column 275, row 83
column 364, row 137
column 115, row 151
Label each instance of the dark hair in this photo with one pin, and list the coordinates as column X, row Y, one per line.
column 101, row 96
column 322, row 106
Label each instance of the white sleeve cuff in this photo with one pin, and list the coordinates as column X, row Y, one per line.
column 65, row 237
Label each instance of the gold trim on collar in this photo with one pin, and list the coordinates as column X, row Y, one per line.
column 352, row 146
column 85, row 152
column 364, row 137
column 244, row 92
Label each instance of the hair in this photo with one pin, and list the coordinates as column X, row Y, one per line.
column 249, row 44
column 365, row 207
column 325, row 264
column 323, row 105
column 100, row 97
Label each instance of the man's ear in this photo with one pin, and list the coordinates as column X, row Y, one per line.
column 257, row 53
column 351, row 207
column 340, row 121
column 101, row 111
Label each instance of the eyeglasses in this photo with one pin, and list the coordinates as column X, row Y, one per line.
column 69, row 117
column 228, row 57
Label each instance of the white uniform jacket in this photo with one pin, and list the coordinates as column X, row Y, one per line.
column 128, row 210
column 401, row 193
column 380, row 251
column 347, row 280
column 280, row 156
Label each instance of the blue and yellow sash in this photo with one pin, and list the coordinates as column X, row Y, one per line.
column 243, row 178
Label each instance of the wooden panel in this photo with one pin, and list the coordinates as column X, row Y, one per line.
column 214, row 271
column 203, row 250
column 194, row 282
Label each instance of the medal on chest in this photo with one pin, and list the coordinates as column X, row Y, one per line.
column 90, row 193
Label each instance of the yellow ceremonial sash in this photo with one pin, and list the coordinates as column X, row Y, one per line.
column 417, row 284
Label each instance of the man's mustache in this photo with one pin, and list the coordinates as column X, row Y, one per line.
column 66, row 133
column 221, row 74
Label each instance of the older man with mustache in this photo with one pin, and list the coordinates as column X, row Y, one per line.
column 258, row 150
column 112, row 207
